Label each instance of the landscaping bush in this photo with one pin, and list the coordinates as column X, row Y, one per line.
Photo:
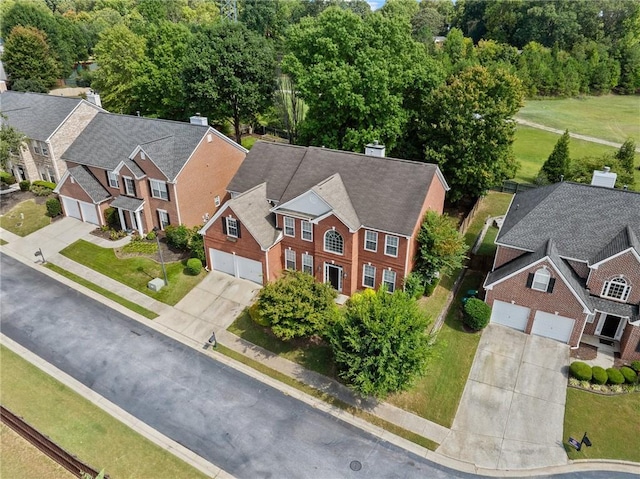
column 476, row 314
column 581, row 371
column 635, row 365
column 151, row 235
column 414, row 285
column 53, row 207
column 25, row 185
column 178, row 236
column 254, row 314
column 430, row 287
column 196, row 245
column 7, row 178
column 630, row 376
column 599, row 375
column 44, row 184
column 40, row 190
column 615, row 376
column 112, row 219
column 194, row 266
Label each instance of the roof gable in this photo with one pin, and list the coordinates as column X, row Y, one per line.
column 89, row 183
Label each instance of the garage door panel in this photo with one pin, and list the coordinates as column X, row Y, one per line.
column 71, row 207
column 249, row 269
column 222, row 261
column 89, row 213
column 511, row 315
column 553, row 326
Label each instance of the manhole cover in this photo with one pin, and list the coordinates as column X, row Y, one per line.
column 355, row 465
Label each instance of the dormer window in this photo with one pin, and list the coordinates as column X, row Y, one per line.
column 541, row 280
column 617, row 288
column 113, row 179
column 333, row 242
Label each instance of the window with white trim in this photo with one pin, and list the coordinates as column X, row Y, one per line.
column 333, row 242
column 289, row 226
column 541, row 280
column 617, row 288
column 113, row 179
column 129, row 186
column 391, row 245
column 163, row 218
column 389, row 280
column 371, row 241
column 36, row 147
column 45, row 148
column 307, row 263
column 289, row 259
column 232, row 227
column 307, row 230
column 159, row 189
column 368, row 276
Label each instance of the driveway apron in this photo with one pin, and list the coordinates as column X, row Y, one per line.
column 512, row 410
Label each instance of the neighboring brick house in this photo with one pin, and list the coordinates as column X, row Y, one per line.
column 567, row 267
column 153, row 172
column 346, row 218
column 51, row 124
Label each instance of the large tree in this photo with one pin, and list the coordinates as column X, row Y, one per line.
column 380, row 343
column 468, row 129
column 229, row 73
column 556, row 168
column 11, row 140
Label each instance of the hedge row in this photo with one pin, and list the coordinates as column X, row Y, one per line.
column 597, row 375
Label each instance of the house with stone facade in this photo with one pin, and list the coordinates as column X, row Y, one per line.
column 567, row 267
column 50, row 123
column 153, row 172
column 347, row 219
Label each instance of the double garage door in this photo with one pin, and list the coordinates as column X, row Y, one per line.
column 81, row 210
column 235, row 265
column 547, row 325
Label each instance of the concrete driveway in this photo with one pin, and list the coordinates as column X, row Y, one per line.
column 512, row 410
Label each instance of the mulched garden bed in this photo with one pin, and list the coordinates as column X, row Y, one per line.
column 169, row 254
column 584, row 352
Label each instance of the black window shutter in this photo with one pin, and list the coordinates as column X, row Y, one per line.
column 166, row 185
column 529, row 280
column 552, row 283
column 238, row 228
column 224, row 226
column 108, row 182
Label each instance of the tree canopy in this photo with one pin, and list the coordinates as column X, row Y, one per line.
column 11, row 140
column 556, row 168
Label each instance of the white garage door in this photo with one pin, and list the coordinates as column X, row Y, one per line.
column 511, row 315
column 552, row 326
column 71, row 207
column 237, row 266
column 89, row 213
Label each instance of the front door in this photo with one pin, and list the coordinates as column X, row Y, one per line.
column 610, row 326
column 333, row 275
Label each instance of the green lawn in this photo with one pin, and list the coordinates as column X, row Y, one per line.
column 2, row 242
column 134, row 272
column 488, row 246
column 80, row 427
column 248, row 141
column 611, row 422
column 610, row 117
column 25, row 218
column 106, row 293
column 532, row 147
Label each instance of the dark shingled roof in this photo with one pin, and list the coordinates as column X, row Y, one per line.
column 623, row 241
column 110, row 139
column 128, row 203
column 36, row 115
column 631, row 311
column 89, row 183
column 386, row 193
column 581, row 220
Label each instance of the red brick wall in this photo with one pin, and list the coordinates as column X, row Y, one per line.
column 580, row 268
column 627, row 265
column 74, row 190
column 505, row 254
column 630, row 343
column 382, row 261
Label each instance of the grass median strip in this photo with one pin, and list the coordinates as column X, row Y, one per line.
column 104, row 292
column 283, row 378
column 82, row 428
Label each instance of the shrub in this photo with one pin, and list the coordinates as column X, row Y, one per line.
column 414, row 285
column 151, row 235
column 7, row 178
column 112, row 219
column 615, row 376
column 194, row 266
column 630, row 376
column 44, row 184
column 599, row 375
column 25, row 185
column 635, row 365
column 178, row 236
column 581, row 371
column 40, row 190
column 116, row 234
column 196, row 245
column 254, row 314
column 429, row 287
column 476, row 314
column 53, row 207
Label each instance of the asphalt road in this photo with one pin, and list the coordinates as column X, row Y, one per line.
column 234, row 421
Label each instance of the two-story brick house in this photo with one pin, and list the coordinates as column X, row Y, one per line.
column 51, row 124
column 567, row 267
column 153, row 172
column 348, row 219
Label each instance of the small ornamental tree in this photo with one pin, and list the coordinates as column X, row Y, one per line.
column 557, row 165
column 379, row 344
column 297, row 306
column 11, row 141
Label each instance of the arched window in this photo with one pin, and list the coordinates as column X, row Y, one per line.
column 333, row 242
column 617, row 288
column 541, row 280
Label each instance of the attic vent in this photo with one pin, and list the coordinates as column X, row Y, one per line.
column 143, row 156
column 209, row 138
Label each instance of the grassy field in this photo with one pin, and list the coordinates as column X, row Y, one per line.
column 80, row 427
column 610, row 421
column 134, row 272
column 532, row 147
column 25, row 218
column 610, row 117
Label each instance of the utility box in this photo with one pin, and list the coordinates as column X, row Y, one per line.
column 155, row 284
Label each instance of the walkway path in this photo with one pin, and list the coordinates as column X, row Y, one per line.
column 577, row 136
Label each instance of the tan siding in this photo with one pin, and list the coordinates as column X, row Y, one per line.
column 69, row 131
